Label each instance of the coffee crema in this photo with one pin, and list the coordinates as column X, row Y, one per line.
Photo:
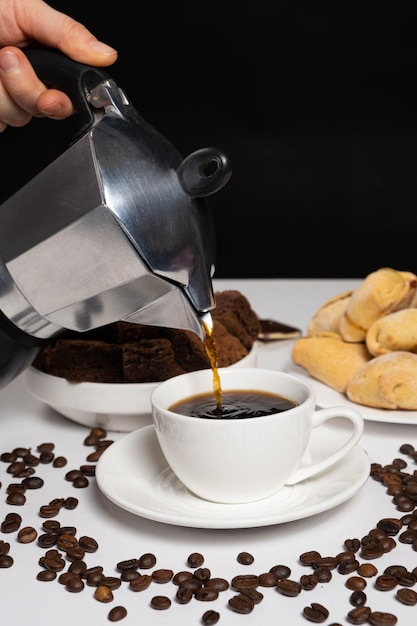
column 235, row 404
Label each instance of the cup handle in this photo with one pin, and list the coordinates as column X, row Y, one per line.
column 320, row 417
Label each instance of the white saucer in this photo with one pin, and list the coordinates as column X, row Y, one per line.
column 279, row 357
column 133, row 474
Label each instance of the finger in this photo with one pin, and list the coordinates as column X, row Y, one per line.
column 54, row 104
column 19, row 80
column 58, row 30
column 10, row 113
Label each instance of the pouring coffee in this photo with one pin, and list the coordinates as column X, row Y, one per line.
column 116, row 228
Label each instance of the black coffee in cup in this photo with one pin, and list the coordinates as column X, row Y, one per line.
column 239, row 404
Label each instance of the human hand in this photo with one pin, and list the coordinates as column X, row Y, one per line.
column 22, row 94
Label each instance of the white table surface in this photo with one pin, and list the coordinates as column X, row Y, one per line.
column 122, row 535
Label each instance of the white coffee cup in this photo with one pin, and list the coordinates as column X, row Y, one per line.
column 244, row 460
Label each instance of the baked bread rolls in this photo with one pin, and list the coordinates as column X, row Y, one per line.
column 396, row 331
column 328, row 316
column 388, row 381
column 329, row 359
column 363, row 343
column 382, row 292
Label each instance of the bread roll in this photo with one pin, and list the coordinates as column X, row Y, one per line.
column 380, row 293
column 327, row 317
column 329, row 359
column 388, row 381
column 396, row 331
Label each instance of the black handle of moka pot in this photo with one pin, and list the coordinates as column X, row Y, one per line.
column 56, row 70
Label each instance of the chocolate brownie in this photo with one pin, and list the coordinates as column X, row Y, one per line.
column 236, row 314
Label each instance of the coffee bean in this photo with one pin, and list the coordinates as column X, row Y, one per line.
column 281, row 571
column 378, row 618
column 309, row 558
column 78, row 567
column 103, row 593
column 245, row 558
column 358, row 598
column 218, row 583
column 128, row 574
column 4, row 547
column 59, row 461
column 88, row 470
column 160, row 603
column 210, row 618
column 162, row 575
column 128, row 564
column 141, row 582
column 66, row 542
column 180, row 577
column 89, row 544
column 27, row 534
column 184, row 595
column 16, row 498
column 390, row 525
column 75, row 584
column 46, row 575
column 352, row 545
column 356, row 583
column 359, row 615
column 308, row 581
column 252, row 594
column 244, row 581
column 206, row 594
column 385, row 582
column 268, row 579
column 33, row 482
column 288, row 587
column 48, row 511
column 367, row 570
column 80, row 482
column 316, row 613
column 11, row 523
column 240, row 604
column 70, row 503
column 202, row 574
column 323, row 574
column 113, row 582
column 147, row 560
column 117, row 613
column 407, row 596
column 195, row 559
column 6, row 561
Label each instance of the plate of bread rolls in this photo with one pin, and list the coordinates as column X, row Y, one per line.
column 360, row 348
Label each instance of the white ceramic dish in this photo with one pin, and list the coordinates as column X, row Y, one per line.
column 134, row 475
column 279, row 357
column 119, row 407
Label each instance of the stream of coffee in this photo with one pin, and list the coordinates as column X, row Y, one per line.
column 211, row 349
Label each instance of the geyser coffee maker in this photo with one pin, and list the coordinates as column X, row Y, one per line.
column 116, row 228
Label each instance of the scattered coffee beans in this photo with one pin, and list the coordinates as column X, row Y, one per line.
column 66, row 549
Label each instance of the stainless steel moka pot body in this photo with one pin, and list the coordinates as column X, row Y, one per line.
column 116, row 228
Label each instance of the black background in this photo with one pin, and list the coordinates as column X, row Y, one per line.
column 314, row 102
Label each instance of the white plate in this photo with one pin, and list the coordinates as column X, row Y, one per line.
column 133, row 474
column 326, row 396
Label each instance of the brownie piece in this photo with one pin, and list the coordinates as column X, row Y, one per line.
column 149, row 361
column 79, row 360
column 236, row 314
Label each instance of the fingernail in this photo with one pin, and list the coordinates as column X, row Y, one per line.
column 52, row 110
column 102, row 48
column 9, row 62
